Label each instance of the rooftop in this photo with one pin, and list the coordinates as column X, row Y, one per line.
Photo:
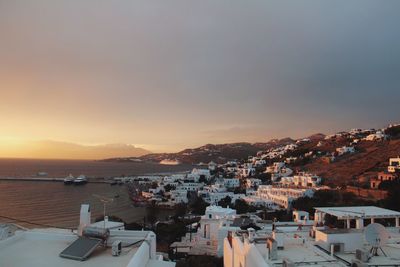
column 301, row 249
column 41, row 247
column 108, row 224
column 359, row 211
column 298, row 248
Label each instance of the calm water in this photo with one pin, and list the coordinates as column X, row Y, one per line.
column 62, row 168
column 57, row 204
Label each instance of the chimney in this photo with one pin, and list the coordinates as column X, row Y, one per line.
column 84, row 219
column 230, row 237
column 272, row 248
column 278, row 237
column 252, row 234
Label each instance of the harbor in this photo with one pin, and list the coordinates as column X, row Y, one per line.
column 53, row 179
column 53, row 203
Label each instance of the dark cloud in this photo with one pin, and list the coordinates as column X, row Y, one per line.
column 299, row 66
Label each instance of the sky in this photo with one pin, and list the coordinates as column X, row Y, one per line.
column 167, row 75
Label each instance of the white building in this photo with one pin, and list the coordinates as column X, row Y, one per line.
column 66, row 248
column 173, row 178
column 377, row 136
column 275, row 167
column 179, row 196
column 290, row 160
column 151, row 178
column 208, row 240
column 282, row 196
column 214, row 197
column 212, row 166
column 307, row 245
column 231, row 183
column 278, row 170
column 252, row 182
column 345, row 149
column 394, row 165
column 357, row 214
column 251, row 249
column 189, row 186
column 300, row 216
column 197, row 173
column 260, row 202
column 247, row 170
column 307, row 180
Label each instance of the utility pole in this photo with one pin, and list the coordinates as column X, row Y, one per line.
column 104, row 200
column 190, row 230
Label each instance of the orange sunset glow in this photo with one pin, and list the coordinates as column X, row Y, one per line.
column 163, row 78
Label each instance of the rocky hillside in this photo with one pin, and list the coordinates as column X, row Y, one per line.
column 370, row 158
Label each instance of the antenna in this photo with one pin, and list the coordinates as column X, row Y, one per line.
column 104, row 200
column 377, row 236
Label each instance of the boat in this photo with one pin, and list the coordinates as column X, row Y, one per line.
column 69, row 179
column 80, row 180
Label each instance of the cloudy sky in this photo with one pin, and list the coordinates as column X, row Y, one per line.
column 166, row 75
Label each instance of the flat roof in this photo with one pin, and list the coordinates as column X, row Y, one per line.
column 391, row 249
column 359, row 212
column 302, row 253
column 42, row 248
column 109, row 224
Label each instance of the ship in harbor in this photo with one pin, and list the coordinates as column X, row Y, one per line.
column 80, row 180
column 69, row 179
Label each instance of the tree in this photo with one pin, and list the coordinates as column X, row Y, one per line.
column 151, row 215
column 180, row 210
column 264, row 177
column 242, row 207
column 198, row 206
column 225, row 202
column 200, row 261
column 169, row 233
column 393, row 198
column 202, row 179
column 393, row 132
column 239, row 190
column 169, row 187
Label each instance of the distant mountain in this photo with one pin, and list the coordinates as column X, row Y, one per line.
column 50, row 149
column 219, row 153
column 316, row 137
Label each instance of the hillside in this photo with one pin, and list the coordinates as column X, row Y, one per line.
column 313, row 154
column 219, row 153
column 370, row 158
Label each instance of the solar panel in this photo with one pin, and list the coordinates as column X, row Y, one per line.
column 81, row 248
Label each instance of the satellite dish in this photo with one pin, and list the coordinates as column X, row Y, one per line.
column 377, row 236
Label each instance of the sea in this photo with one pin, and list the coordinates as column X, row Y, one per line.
column 58, row 205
